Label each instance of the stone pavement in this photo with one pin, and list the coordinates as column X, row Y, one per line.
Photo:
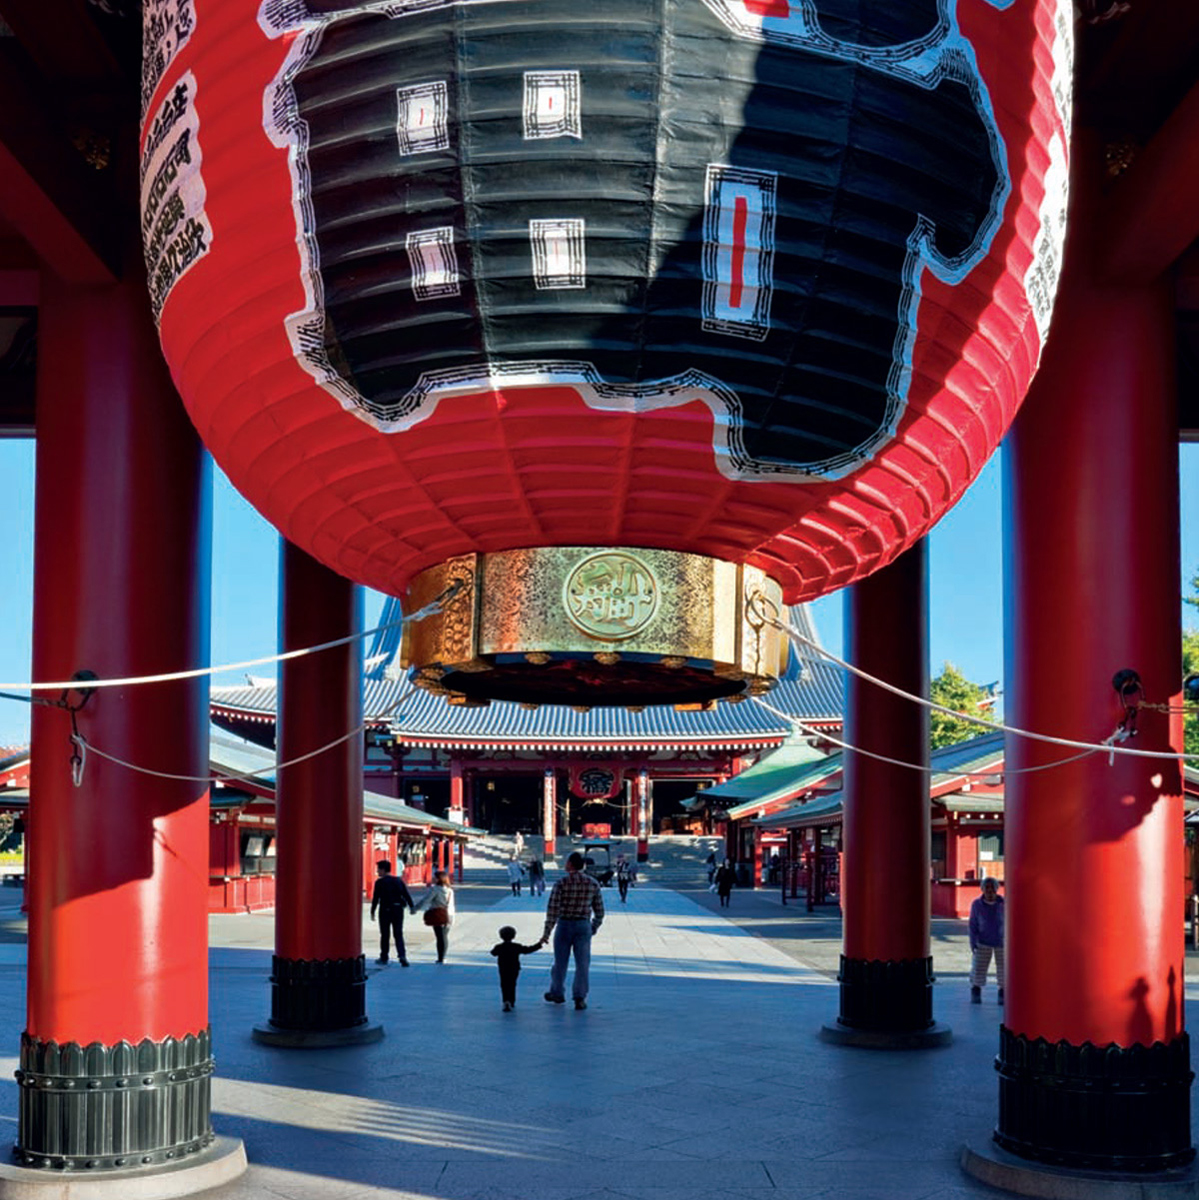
column 695, row 1073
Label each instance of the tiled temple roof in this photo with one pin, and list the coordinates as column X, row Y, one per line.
column 812, row 693
column 241, row 760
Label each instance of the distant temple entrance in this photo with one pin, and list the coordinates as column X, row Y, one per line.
column 504, row 767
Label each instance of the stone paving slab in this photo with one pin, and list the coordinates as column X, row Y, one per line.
column 696, row 1072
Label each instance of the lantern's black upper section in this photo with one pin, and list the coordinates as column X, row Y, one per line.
column 641, row 195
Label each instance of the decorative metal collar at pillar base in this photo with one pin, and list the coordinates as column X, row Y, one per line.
column 317, row 1003
column 1095, row 1108
column 886, row 1005
column 100, row 1108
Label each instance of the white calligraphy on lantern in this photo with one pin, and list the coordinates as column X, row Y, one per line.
column 1041, row 278
column 434, row 263
column 422, row 118
column 552, row 105
column 738, row 260
column 166, row 27
column 559, row 257
column 176, row 232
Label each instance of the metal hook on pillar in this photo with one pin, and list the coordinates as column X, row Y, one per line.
column 1131, row 692
column 78, row 754
column 78, row 758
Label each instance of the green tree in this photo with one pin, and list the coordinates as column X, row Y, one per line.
column 1193, row 601
column 953, row 690
column 1190, row 662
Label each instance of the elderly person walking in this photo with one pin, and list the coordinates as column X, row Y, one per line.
column 574, row 912
column 986, row 939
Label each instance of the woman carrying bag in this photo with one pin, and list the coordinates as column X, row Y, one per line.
column 438, row 904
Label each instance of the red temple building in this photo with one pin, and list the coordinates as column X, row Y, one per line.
column 491, row 767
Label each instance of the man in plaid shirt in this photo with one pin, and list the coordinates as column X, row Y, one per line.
column 576, row 908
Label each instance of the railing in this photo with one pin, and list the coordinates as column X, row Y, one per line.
column 815, row 876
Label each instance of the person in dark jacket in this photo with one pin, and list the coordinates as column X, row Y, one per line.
column 986, row 939
column 726, row 877
column 624, row 876
column 536, row 878
column 389, row 899
column 507, row 952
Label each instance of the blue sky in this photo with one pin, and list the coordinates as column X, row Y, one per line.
column 966, row 574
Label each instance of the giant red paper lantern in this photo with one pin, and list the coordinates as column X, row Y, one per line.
column 754, row 280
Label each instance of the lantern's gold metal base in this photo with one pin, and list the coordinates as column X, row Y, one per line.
column 593, row 627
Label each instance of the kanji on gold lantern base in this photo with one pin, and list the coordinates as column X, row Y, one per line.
column 601, row 626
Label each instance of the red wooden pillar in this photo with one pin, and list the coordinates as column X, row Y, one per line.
column 1094, row 1061
column 318, row 980
column 118, row 871
column 886, row 967
column 224, row 850
column 645, row 813
column 470, row 785
column 817, row 885
column 457, row 797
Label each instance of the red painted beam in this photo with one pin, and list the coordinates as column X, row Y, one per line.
column 18, row 288
column 64, row 209
column 65, row 44
column 1152, row 215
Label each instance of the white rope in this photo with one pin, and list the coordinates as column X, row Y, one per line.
column 811, row 731
column 1106, row 747
column 279, row 766
column 79, row 685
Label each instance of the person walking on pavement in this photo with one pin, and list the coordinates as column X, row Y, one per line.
column 623, row 876
column 574, row 912
column 389, row 899
column 726, row 877
column 507, row 952
column 438, row 904
column 515, row 871
column 536, row 878
column 986, row 939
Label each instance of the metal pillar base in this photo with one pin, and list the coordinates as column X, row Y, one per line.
column 318, row 1004
column 316, row 1039
column 1095, row 1108
column 874, row 1039
column 222, row 1161
column 102, row 1108
column 891, row 1001
column 994, row 1166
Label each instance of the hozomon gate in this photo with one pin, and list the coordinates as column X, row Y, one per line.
column 826, row 342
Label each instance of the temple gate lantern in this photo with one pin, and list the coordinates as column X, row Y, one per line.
column 623, row 324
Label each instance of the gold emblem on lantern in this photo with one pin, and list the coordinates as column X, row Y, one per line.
column 592, row 626
column 611, row 595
